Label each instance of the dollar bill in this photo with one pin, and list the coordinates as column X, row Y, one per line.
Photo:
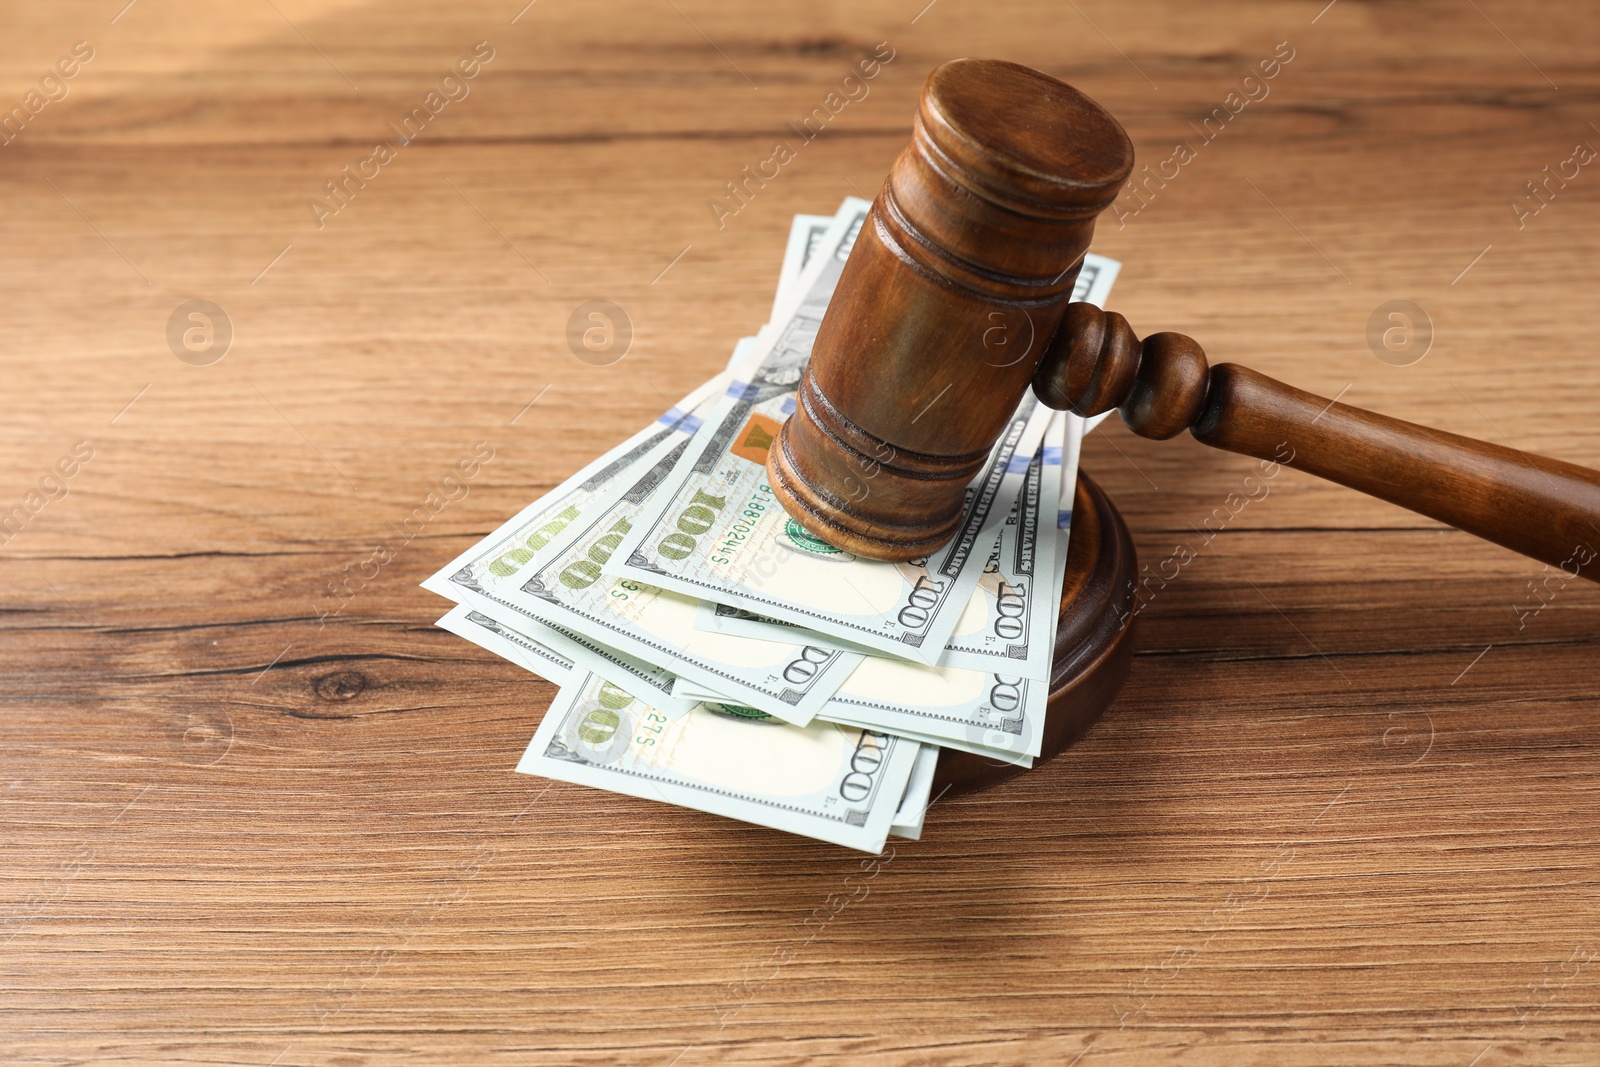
column 506, row 642
column 996, row 757
column 764, row 564
column 913, row 809
column 482, row 576
column 573, row 589
column 805, row 236
column 1069, row 493
column 991, row 714
column 959, row 744
column 491, row 635
column 1009, row 622
column 995, row 713
column 1004, row 719
column 823, row 781
column 520, row 538
column 645, row 679
column 638, row 676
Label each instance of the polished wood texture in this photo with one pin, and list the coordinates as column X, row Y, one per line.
column 1344, row 812
column 957, row 278
column 1541, row 507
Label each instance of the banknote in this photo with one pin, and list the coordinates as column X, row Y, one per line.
column 482, row 576
column 994, row 756
column 715, row 531
column 913, row 809
column 1010, row 619
column 828, row 782
column 646, row 679
column 974, row 700
column 519, row 539
column 968, row 741
column 572, row 588
column 978, row 711
column 1069, row 493
column 760, row 561
column 506, row 642
column 491, row 635
column 997, row 713
column 805, row 235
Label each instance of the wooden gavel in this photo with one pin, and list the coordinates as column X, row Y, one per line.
column 955, row 299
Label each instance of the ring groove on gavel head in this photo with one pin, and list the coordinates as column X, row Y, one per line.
column 953, row 289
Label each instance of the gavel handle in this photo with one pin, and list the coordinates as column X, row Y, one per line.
column 1534, row 505
column 1540, row 507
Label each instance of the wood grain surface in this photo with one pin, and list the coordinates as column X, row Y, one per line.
column 1344, row 813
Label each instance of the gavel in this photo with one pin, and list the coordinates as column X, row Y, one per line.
column 955, row 299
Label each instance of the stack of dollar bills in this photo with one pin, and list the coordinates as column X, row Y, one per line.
column 714, row 654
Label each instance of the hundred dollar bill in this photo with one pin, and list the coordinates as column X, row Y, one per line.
column 718, row 533
column 908, row 818
column 961, row 744
column 647, row 680
column 506, row 642
column 769, row 575
column 997, row 756
column 517, row 540
column 998, row 713
column 1069, row 493
column 481, row 576
column 828, row 782
column 1009, row 623
column 805, row 235
column 985, row 712
column 571, row 589
column 638, row 676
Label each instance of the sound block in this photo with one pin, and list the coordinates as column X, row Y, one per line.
column 1094, row 645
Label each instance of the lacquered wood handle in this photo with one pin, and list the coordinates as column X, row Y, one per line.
column 1534, row 505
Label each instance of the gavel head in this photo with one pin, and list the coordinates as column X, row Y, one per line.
column 949, row 300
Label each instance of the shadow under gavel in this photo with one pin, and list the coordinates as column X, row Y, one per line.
column 955, row 300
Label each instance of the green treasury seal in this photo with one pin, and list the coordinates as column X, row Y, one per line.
column 796, row 536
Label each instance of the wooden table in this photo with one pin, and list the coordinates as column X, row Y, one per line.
column 1344, row 813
